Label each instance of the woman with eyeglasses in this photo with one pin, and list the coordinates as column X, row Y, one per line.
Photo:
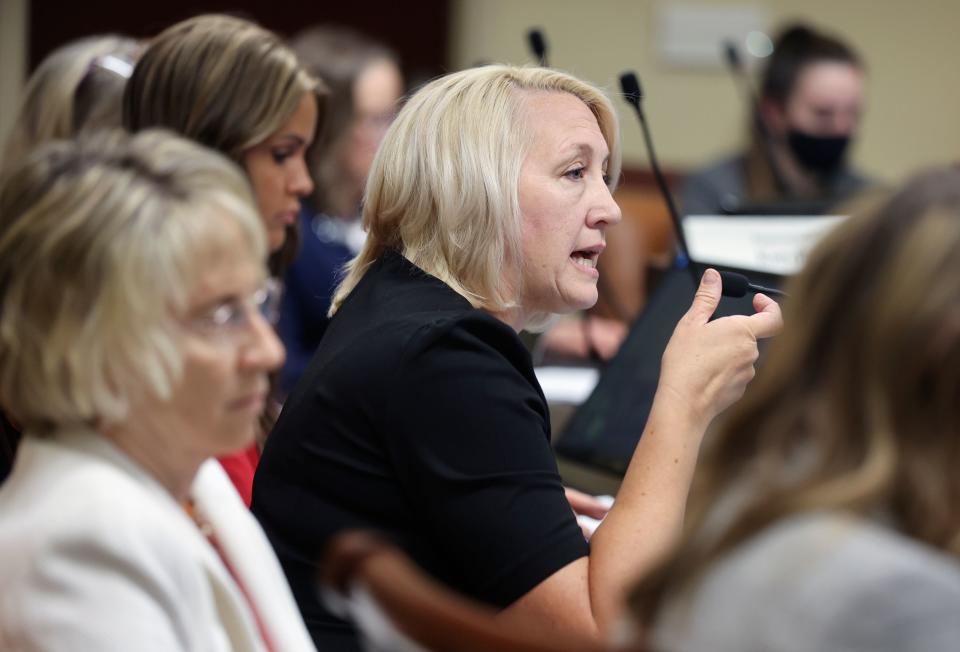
column 233, row 86
column 133, row 348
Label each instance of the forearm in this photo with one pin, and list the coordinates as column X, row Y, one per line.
column 648, row 513
column 585, row 597
column 706, row 366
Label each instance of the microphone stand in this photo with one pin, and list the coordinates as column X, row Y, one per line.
column 633, row 94
column 732, row 282
column 538, row 45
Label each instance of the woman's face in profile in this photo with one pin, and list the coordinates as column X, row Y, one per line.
column 228, row 350
column 565, row 204
column 278, row 171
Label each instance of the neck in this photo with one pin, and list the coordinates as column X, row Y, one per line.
column 515, row 318
column 149, row 446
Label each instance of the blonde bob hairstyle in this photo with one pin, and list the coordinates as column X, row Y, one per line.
column 77, row 86
column 102, row 240
column 443, row 188
column 856, row 408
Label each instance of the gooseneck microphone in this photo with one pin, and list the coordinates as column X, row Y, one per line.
column 538, row 44
column 739, row 73
column 734, row 285
column 633, row 94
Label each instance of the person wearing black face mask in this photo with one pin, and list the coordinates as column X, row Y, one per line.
column 811, row 100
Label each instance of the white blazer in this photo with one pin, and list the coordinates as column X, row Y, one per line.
column 96, row 555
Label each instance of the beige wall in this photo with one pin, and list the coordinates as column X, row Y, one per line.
column 13, row 60
column 911, row 48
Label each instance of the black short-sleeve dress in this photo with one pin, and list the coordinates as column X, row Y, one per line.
column 419, row 416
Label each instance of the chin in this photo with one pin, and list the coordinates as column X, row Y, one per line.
column 239, row 440
column 275, row 240
column 583, row 300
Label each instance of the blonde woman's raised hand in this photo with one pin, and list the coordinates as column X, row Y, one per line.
column 707, row 364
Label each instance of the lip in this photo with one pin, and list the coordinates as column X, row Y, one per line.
column 593, row 249
column 594, row 252
column 254, row 402
column 288, row 217
column 592, row 272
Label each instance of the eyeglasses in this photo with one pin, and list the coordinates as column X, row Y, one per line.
column 229, row 319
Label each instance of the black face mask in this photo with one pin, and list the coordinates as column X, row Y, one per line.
column 820, row 154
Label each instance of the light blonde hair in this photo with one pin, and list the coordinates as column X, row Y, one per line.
column 224, row 82
column 443, row 188
column 74, row 88
column 102, row 239
column 855, row 408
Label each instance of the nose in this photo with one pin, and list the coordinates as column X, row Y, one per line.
column 605, row 211
column 264, row 352
column 844, row 123
column 300, row 182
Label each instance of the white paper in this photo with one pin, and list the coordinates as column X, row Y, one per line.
column 567, row 384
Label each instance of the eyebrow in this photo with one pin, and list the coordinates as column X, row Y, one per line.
column 583, row 148
column 212, row 304
column 291, row 139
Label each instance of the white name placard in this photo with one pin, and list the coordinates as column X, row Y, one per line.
column 772, row 244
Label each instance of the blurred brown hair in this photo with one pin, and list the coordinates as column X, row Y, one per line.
column 857, row 405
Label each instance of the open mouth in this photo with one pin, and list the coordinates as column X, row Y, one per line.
column 585, row 258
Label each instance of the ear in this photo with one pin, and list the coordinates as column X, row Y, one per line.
column 773, row 116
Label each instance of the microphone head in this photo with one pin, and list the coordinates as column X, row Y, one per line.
column 630, row 86
column 537, row 43
column 734, row 285
column 732, row 55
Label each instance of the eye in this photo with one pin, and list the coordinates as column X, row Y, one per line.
column 280, row 156
column 576, row 173
column 229, row 313
column 607, row 180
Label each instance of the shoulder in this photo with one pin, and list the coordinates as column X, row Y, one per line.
column 60, row 499
column 837, row 577
column 848, row 181
column 470, row 331
column 470, row 350
column 399, row 315
column 720, row 172
column 79, row 538
column 704, row 190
